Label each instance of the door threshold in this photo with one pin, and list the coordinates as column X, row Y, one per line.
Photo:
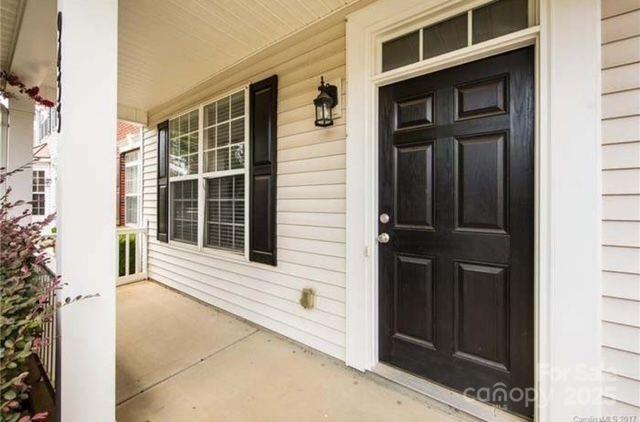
column 442, row 394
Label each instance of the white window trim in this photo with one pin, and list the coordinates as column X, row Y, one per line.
column 563, row 245
column 202, row 177
column 137, row 163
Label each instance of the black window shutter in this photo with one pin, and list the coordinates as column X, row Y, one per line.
column 163, row 182
column 263, row 130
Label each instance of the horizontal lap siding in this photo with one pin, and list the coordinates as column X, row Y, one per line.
column 311, row 213
column 621, row 206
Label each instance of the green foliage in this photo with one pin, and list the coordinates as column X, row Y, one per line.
column 122, row 246
column 23, row 296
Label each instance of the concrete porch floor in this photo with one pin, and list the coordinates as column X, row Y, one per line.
column 181, row 360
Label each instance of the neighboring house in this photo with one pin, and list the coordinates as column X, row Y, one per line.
column 43, row 193
column 459, row 212
column 129, row 187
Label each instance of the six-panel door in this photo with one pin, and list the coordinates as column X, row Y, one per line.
column 456, row 178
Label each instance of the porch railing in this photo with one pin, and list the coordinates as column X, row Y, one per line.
column 47, row 353
column 131, row 246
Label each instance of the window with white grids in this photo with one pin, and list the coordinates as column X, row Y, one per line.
column 215, row 181
column 224, row 157
column 183, row 172
column 132, row 187
column 38, row 204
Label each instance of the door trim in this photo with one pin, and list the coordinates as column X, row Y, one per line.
column 443, row 394
column 555, row 346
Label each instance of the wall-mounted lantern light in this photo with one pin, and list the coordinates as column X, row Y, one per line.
column 326, row 100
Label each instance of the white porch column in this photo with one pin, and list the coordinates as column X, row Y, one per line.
column 20, row 151
column 570, row 337
column 86, row 215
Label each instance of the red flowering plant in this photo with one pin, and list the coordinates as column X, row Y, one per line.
column 24, row 301
column 33, row 92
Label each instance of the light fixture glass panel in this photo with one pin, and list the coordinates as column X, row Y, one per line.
column 444, row 36
column 499, row 18
column 401, row 51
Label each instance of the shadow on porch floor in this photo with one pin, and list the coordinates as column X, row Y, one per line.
column 180, row 360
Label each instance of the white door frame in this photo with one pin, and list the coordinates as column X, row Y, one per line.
column 567, row 211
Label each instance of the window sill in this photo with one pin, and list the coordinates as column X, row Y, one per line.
column 210, row 252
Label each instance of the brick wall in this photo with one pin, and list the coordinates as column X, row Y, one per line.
column 122, row 138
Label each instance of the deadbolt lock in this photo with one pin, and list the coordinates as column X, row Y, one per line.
column 384, row 218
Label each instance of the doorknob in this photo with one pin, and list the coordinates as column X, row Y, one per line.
column 383, row 238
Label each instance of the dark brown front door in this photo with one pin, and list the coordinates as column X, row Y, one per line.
column 457, row 182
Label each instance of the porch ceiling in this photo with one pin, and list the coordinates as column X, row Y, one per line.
column 10, row 18
column 167, row 47
column 28, row 41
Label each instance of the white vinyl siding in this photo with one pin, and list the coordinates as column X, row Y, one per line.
column 621, row 206
column 310, row 206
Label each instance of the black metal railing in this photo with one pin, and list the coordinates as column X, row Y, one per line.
column 47, row 353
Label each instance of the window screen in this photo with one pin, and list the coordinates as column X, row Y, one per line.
column 225, row 213
column 184, row 211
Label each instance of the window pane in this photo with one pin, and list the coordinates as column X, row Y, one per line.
column 210, row 115
column 183, row 146
column 184, row 211
column 37, row 207
column 223, row 109
column 210, row 161
column 401, row 51
column 210, row 138
column 222, row 136
column 131, row 180
column 222, row 159
column 225, row 213
column 237, row 156
column 499, row 18
column 37, row 188
column 131, row 209
column 228, row 115
column 237, row 131
column 237, row 104
column 131, row 156
column 444, row 37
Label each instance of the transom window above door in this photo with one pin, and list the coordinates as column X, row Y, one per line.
column 462, row 30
